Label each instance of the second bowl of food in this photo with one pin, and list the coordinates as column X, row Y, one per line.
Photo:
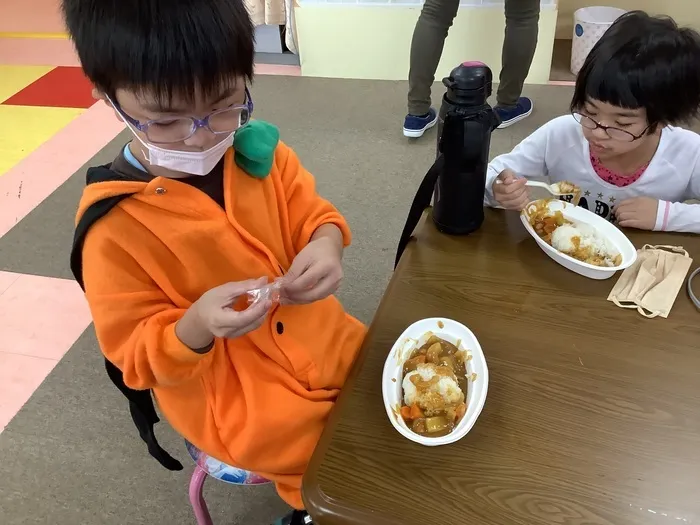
column 435, row 382
column 578, row 239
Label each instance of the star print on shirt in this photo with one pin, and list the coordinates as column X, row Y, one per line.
column 600, row 195
column 612, row 199
column 587, row 193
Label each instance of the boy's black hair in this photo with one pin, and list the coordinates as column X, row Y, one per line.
column 644, row 62
column 164, row 48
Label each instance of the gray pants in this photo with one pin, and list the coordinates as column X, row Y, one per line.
column 522, row 17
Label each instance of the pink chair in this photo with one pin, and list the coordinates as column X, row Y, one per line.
column 206, row 466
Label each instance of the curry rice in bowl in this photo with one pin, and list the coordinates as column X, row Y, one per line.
column 435, row 382
column 578, row 239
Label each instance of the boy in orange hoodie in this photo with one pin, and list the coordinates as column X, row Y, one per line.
column 209, row 206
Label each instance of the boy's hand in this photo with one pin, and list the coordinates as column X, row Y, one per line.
column 212, row 315
column 638, row 212
column 316, row 272
column 510, row 191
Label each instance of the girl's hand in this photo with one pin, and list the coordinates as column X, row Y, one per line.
column 510, row 191
column 638, row 212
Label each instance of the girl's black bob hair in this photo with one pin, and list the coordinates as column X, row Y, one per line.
column 645, row 62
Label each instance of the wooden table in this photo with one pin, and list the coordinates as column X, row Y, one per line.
column 592, row 415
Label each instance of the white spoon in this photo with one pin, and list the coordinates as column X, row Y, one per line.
column 554, row 189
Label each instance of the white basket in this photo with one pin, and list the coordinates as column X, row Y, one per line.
column 589, row 25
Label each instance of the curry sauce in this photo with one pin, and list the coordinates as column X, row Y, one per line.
column 434, row 388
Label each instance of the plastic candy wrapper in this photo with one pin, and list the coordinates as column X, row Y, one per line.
column 269, row 292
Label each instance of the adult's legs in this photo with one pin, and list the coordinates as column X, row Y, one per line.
column 522, row 17
column 426, row 48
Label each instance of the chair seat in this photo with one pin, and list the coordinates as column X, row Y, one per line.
column 221, row 471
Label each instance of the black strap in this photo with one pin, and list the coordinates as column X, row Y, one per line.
column 420, row 202
column 141, row 407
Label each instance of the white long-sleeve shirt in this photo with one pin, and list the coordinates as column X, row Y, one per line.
column 559, row 151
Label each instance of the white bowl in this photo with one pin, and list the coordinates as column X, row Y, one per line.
column 477, row 385
column 603, row 227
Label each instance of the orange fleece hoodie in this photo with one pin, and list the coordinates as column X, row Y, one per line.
column 258, row 402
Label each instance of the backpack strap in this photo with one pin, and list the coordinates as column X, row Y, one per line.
column 141, row 407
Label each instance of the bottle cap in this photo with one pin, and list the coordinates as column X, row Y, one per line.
column 469, row 84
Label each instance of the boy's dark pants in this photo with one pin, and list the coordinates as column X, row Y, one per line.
column 522, row 17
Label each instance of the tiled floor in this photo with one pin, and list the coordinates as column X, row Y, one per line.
column 30, row 16
column 40, row 319
column 35, row 103
column 45, row 136
column 20, row 376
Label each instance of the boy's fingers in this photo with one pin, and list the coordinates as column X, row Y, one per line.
column 322, row 289
column 306, row 280
column 229, row 318
column 230, row 291
column 253, row 313
column 242, row 330
column 252, row 326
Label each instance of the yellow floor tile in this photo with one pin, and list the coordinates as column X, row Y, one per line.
column 25, row 128
column 15, row 78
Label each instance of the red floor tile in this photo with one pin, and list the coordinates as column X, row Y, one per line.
column 62, row 87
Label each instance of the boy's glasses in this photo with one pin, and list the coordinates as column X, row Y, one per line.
column 176, row 129
column 613, row 133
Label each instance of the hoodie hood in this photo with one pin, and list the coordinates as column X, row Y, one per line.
column 103, row 183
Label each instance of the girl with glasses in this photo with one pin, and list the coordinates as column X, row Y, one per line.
column 622, row 145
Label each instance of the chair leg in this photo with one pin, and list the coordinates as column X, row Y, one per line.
column 199, row 506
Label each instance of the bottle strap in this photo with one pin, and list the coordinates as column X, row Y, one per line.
column 420, row 202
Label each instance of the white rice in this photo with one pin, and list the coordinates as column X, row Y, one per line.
column 562, row 240
column 447, row 387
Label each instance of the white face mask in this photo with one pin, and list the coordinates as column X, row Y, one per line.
column 192, row 162
column 199, row 163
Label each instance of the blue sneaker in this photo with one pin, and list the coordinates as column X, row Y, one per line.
column 511, row 115
column 414, row 127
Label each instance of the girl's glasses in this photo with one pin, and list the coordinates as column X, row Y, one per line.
column 613, row 133
column 176, row 129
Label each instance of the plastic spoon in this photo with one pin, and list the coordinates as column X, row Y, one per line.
column 554, row 189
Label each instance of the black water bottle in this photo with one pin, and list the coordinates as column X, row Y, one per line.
column 465, row 124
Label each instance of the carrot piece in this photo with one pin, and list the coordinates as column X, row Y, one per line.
column 416, row 412
column 406, row 413
column 461, row 410
column 420, row 359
